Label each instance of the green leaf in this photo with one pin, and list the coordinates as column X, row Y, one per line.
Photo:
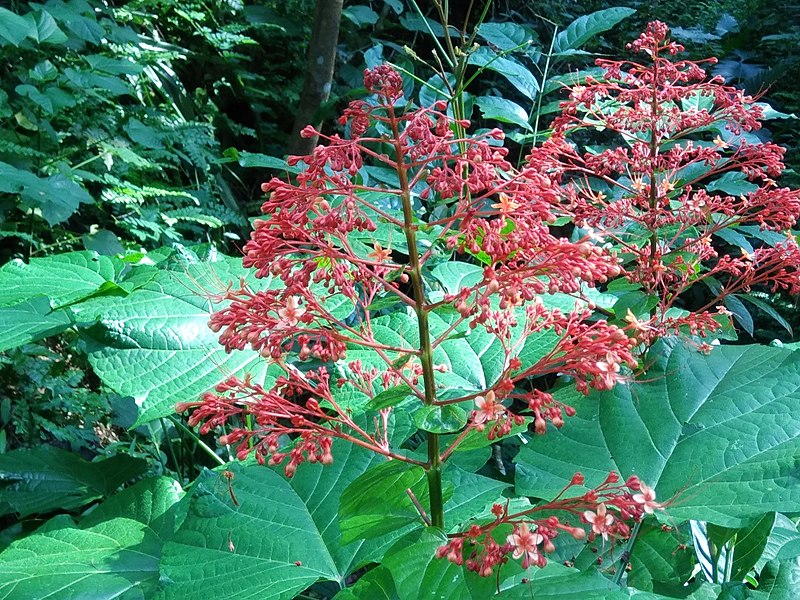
column 749, row 546
column 417, row 573
column 719, row 434
column 740, row 313
column 116, row 559
column 376, row 503
column 506, row 36
column 520, row 77
column 261, row 161
column 390, row 397
column 155, row 344
column 658, row 557
column 271, row 541
column 43, row 479
column 56, row 196
column 734, row 183
column 557, row 582
column 151, row 501
column 783, row 541
column 767, row 309
column 377, row 584
column 35, row 96
column 779, row 580
column 456, row 275
column 64, row 278
column 472, row 359
column 112, row 66
column 360, row 15
column 30, row 321
column 440, row 419
column 45, row 30
column 14, row 28
column 584, row 28
column 472, row 494
column 503, row 110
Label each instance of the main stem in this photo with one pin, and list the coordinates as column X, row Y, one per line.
column 433, row 469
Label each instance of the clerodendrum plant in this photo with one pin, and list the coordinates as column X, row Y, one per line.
column 379, row 298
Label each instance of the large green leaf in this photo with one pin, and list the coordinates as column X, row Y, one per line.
column 57, row 197
column 64, row 278
column 14, row 28
column 155, row 344
column 29, row 321
column 584, row 28
column 116, row 559
column 43, row 479
column 718, row 434
column 321, row 488
column 747, row 543
column 283, row 536
column 779, row 580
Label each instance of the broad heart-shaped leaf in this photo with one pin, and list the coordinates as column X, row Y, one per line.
column 417, row 573
column 455, row 275
column 277, row 523
column 45, row 478
column 584, row 28
column 116, row 559
column 64, row 278
column 155, row 344
column 14, row 28
column 718, row 434
column 29, row 321
column 321, row 488
column 283, row 536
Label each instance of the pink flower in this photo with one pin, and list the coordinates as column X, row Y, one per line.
column 600, row 521
column 647, row 498
column 525, row 543
column 487, row 408
column 292, row 312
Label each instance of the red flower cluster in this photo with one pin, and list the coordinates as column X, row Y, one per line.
column 681, row 172
column 319, row 239
column 605, row 509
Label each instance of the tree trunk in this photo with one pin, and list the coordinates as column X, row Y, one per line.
column 321, row 59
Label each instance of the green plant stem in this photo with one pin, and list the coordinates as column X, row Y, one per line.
column 197, row 439
column 171, row 448
column 626, row 554
column 434, row 466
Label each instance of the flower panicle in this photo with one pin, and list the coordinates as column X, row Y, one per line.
column 604, row 511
